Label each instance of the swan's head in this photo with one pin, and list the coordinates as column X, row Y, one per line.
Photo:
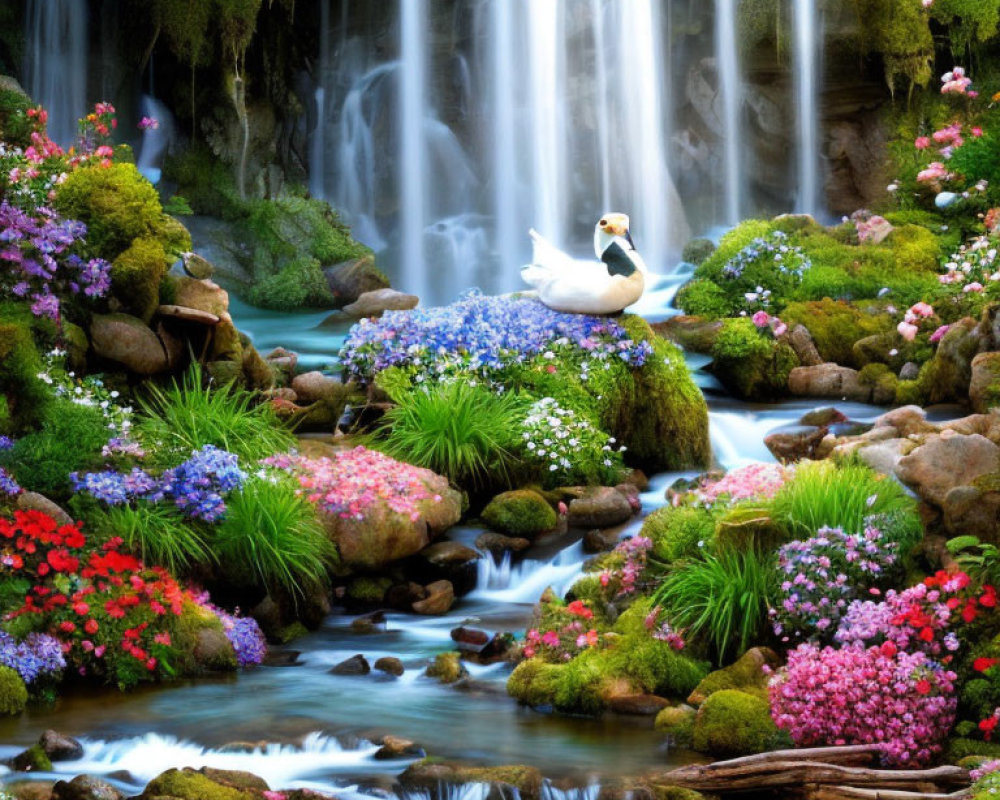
column 610, row 227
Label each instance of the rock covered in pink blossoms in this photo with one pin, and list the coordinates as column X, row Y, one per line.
column 756, row 480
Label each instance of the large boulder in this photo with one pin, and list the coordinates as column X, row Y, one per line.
column 85, row 787
column 984, row 386
column 828, row 380
column 128, row 341
column 733, row 723
column 944, row 461
column 59, row 747
column 377, row 302
column 522, row 512
column 351, row 279
column 599, row 507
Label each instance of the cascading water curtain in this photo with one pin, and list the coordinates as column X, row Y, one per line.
column 413, row 91
column 808, row 54
column 731, row 91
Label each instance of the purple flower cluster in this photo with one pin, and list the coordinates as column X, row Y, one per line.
column 38, row 655
column 244, row 635
column 6, row 443
column 197, row 486
column 823, row 574
column 39, row 264
column 8, row 485
column 482, row 334
column 856, row 695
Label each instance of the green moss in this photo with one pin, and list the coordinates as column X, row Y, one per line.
column 703, row 298
column 733, row 723
column 522, row 512
column 678, row 723
column 34, row 759
column 15, row 127
column 746, row 675
column 447, row 668
column 13, row 692
column 186, row 784
column 368, row 589
column 901, row 34
column 24, row 394
column 298, row 284
column 883, row 381
column 534, row 682
column 748, row 526
column 958, row 748
column 751, row 362
column 697, row 251
column 205, row 182
column 136, row 276
column 185, row 631
column 118, row 205
column 679, row 532
column 835, row 326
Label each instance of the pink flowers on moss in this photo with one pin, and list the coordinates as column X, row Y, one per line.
column 752, row 481
column 956, row 82
column 909, row 327
column 350, row 483
column 856, row 695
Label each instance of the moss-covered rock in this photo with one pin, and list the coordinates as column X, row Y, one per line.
column 835, row 326
column 368, row 589
column 679, row 532
column 447, row 668
column 20, row 363
column 136, row 275
column 431, row 775
column 747, row 674
column 522, row 512
column 189, row 784
column 746, row 526
column 201, row 642
column 984, row 383
column 733, row 723
column 677, row 722
column 34, row 759
column 750, row 362
column 13, row 693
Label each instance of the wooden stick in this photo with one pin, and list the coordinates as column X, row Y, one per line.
column 832, row 755
column 857, row 793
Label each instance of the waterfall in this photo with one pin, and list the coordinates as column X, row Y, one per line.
column 317, row 139
column 413, row 175
column 807, row 45
column 547, row 118
column 56, row 63
column 155, row 141
column 730, row 89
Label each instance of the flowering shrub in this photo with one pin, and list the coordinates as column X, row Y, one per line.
column 349, row 483
column 565, row 633
column 957, row 82
column 244, row 634
column 858, row 695
column 753, row 481
column 925, row 617
column 661, row 630
column 196, row 486
column 482, row 334
column 567, row 447
column 629, row 558
column 822, row 574
column 909, row 327
column 764, row 320
column 8, row 486
column 37, row 248
column 37, row 657
column 973, row 266
column 767, row 264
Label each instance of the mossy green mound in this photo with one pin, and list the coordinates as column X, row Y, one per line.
column 187, row 784
column 747, row 674
column 750, row 362
column 13, row 692
column 24, row 395
column 733, row 723
column 521, row 512
column 136, row 276
column 679, row 532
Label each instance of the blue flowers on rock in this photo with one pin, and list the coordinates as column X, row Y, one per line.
column 38, row 655
column 197, row 486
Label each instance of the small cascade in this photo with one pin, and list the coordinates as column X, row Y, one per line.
column 588, row 792
column 155, row 140
column 808, row 43
column 731, row 99
column 56, row 63
column 524, row 582
column 452, row 791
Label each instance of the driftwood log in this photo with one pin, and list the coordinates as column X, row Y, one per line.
column 821, row 773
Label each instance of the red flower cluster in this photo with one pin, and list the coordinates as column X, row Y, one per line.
column 36, row 545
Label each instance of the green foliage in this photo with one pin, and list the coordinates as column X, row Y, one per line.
column 703, row 298
column 978, row 558
column 824, row 494
column 272, row 537
column 70, row 439
column 186, row 416
column 205, row 182
column 733, row 723
column 136, row 276
column 24, row 395
column 158, row 534
column 900, row 32
column 722, row 599
column 299, row 284
column 521, row 512
column 697, row 250
column 680, row 532
column 178, row 206
column 969, row 22
column 13, row 692
column 118, row 205
column 15, row 127
column 463, row 431
column 751, row 362
column 286, row 226
column 835, row 326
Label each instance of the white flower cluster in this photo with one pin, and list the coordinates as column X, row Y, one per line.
column 565, row 444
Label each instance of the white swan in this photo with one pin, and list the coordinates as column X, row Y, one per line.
column 588, row 287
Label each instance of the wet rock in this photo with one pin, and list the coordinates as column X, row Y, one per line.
column 396, row 747
column 204, row 295
column 369, row 623
column 496, row 544
column 34, row 501
column 440, row 598
column 402, row 596
column 351, row 279
column 638, row 479
column 804, row 347
column 390, row 665
column 128, row 341
column 907, row 420
column 824, row 417
column 355, row 665
column 946, row 461
column 431, row 775
column 984, row 385
column 500, row 648
column 282, row 658
column 34, row 759
column 910, row 371
column 600, row 507
column 828, row 380
column 791, row 443
column 377, row 302
column 85, row 787
column 447, row 668
column 640, row 705
column 448, row 554
column 59, row 747
column 197, row 266
column 471, row 638
column 598, row 541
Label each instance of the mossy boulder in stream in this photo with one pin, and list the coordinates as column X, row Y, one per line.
column 13, row 693
column 522, row 512
column 750, row 362
column 190, row 784
column 733, row 723
column 432, row 775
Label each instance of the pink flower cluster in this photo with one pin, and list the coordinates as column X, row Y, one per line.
column 352, row 482
column 661, row 630
column 764, row 320
column 568, row 633
column 957, row 82
column 935, row 171
column 855, row 695
column 756, row 480
column 622, row 579
column 972, row 266
column 909, row 327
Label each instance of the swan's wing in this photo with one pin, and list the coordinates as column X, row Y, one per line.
column 546, row 255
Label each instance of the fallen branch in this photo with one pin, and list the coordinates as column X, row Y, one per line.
column 857, row 793
column 848, row 754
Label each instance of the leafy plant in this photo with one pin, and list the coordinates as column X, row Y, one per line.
column 187, row 416
column 460, row 430
column 273, row 536
column 980, row 559
column 723, row 599
column 159, row 535
column 824, row 494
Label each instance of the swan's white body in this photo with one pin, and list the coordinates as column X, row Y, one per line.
column 580, row 286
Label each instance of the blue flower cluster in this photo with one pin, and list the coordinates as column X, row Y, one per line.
column 244, row 635
column 38, row 655
column 7, row 483
column 484, row 333
column 6, row 443
column 774, row 248
column 197, row 486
